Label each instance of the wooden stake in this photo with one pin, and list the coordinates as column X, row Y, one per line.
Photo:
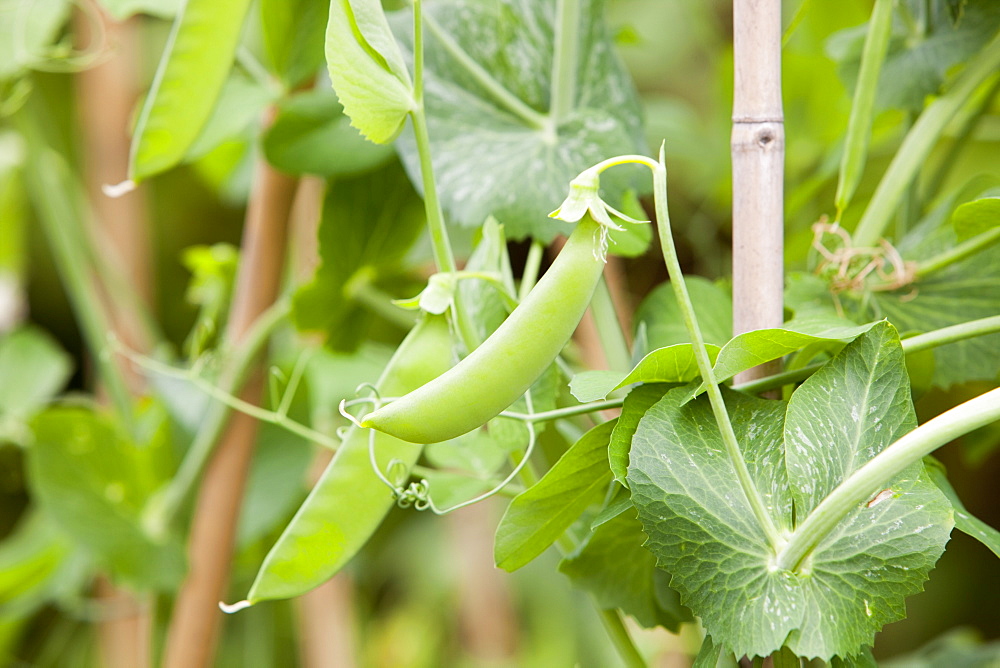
column 194, row 625
column 758, row 153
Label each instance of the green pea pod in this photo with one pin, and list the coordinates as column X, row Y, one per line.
column 499, row 371
column 349, row 502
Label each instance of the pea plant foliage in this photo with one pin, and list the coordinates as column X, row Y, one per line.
column 790, row 516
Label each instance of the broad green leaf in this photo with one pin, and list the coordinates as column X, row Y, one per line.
column 368, row 225
column 187, row 85
column 594, row 384
column 234, row 117
column 38, row 564
column 638, row 401
column 495, row 150
column 964, row 520
column 957, row 648
column 539, row 515
column 367, row 69
column 33, row 368
column 665, row 325
column 763, row 345
column 976, row 217
column 712, row 655
column 482, row 302
column 293, row 33
column 27, row 33
column 94, row 484
column 123, row 9
column 311, row 135
column 672, row 364
column 694, row 512
column 612, row 564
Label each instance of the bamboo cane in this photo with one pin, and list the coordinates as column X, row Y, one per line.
column 195, row 621
column 758, row 152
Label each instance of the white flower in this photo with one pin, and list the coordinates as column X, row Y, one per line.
column 584, row 195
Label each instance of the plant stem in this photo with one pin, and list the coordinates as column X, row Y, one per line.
column 622, row 640
column 921, row 139
column 162, row 509
column 49, row 181
column 500, row 94
column 559, row 413
column 862, row 110
column 701, row 356
column 531, row 266
column 861, row 484
column 443, row 256
column 946, row 335
column 966, row 249
column 564, row 63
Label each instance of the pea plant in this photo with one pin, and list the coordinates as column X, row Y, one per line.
column 771, row 497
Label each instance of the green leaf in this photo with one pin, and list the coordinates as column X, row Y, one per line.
column 293, row 32
column 38, row 564
column 367, row 69
column 964, row 520
column 187, row 85
column 631, row 240
column 482, row 301
column 311, row 135
column 488, row 79
column 368, row 225
column 976, row 217
column 234, row 117
column 694, row 512
column 664, row 324
column 33, row 368
column 594, row 384
column 612, row 564
column 956, row 648
column 673, row 364
column 27, row 31
column 539, row 515
column 94, row 484
column 638, row 401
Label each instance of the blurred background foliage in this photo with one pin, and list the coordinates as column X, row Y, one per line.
column 405, row 594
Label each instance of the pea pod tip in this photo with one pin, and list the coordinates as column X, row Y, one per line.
column 230, row 608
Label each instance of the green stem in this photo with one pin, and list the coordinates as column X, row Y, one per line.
column 496, row 90
column 946, row 335
column 609, row 329
column 565, row 54
column 560, row 413
column 443, row 256
column 531, row 266
column 966, row 249
column 862, row 110
column 920, row 140
column 623, row 642
column 864, row 482
column 48, row 179
column 380, row 303
column 163, row 507
column 701, row 356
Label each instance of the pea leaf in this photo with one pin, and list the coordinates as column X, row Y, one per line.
column 664, row 324
column 94, row 484
column 692, row 508
column 33, row 368
column 638, row 401
column 367, row 69
column 612, row 564
column 960, row 648
column 964, row 520
column 976, row 217
column 234, row 117
column 488, row 83
column 187, row 85
column 293, row 34
column 368, row 225
column 311, row 135
column 540, row 514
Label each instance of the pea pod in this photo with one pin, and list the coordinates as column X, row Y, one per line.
column 349, row 502
column 499, row 371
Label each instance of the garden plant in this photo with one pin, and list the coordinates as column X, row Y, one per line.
column 483, row 281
